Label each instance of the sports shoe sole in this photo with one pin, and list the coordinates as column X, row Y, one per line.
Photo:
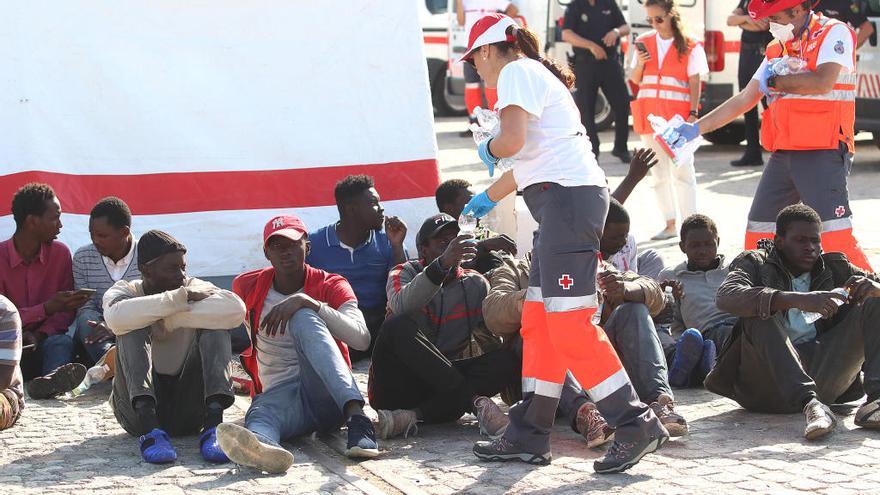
column 361, row 453
column 819, row 432
column 535, row 459
column 64, row 379
column 242, row 447
column 652, row 447
column 598, row 442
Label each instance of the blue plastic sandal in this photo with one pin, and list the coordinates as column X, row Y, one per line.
column 211, row 450
column 156, row 447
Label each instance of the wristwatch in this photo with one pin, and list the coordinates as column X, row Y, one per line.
column 771, row 81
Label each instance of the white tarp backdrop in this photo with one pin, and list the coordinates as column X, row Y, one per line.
column 210, row 117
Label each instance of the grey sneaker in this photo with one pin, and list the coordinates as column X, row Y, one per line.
column 624, row 455
column 820, row 420
column 664, row 408
column 396, row 422
column 592, row 426
column 502, row 449
column 243, row 447
column 491, row 419
column 868, row 415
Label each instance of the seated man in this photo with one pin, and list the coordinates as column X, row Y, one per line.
column 451, row 196
column 434, row 359
column 301, row 320
column 619, row 246
column 703, row 328
column 778, row 362
column 109, row 258
column 35, row 274
column 357, row 248
column 11, row 393
column 173, row 351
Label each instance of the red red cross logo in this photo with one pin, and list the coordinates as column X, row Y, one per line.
column 840, row 211
column 566, row 281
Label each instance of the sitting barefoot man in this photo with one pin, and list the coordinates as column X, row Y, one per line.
column 777, row 361
column 302, row 320
column 173, row 351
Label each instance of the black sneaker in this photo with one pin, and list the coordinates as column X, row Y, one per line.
column 502, row 449
column 625, row 156
column 361, row 438
column 624, row 455
column 64, row 379
column 748, row 160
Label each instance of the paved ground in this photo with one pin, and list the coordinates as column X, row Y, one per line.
column 76, row 446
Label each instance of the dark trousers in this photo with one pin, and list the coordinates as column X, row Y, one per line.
column 180, row 399
column 590, row 75
column 764, row 372
column 409, row 372
column 374, row 318
column 750, row 57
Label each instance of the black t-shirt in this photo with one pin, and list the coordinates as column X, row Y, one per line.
column 593, row 22
column 847, row 11
column 754, row 37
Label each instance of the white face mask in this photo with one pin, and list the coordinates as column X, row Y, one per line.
column 782, row 32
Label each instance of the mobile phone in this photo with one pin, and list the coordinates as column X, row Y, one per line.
column 641, row 47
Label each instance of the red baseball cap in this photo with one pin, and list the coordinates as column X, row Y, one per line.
column 289, row 226
column 759, row 9
column 489, row 29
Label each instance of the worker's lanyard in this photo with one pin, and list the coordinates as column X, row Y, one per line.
column 804, row 38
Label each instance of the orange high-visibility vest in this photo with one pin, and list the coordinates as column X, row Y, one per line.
column 811, row 122
column 664, row 90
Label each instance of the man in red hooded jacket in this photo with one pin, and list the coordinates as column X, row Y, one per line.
column 302, row 321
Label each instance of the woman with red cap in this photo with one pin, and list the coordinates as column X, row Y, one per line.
column 808, row 125
column 567, row 194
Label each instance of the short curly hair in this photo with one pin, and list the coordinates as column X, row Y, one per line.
column 114, row 210
column 696, row 222
column 795, row 213
column 31, row 199
column 448, row 191
column 351, row 187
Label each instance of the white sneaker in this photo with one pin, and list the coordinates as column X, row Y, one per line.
column 820, row 420
column 244, row 448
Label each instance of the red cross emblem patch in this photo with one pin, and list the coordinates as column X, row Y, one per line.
column 840, row 211
column 565, row 281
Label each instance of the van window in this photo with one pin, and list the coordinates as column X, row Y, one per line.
column 873, row 8
column 680, row 3
column 436, row 6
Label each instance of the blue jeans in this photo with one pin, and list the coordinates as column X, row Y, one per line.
column 83, row 330
column 314, row 399
column 56, row 351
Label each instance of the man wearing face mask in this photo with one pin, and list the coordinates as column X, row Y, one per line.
column 808, row 125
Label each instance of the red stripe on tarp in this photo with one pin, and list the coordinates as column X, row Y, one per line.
column 184, row 192
column 436, row 40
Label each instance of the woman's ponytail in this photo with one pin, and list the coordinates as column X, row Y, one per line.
column 525, row 41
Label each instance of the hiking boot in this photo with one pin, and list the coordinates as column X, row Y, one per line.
column 592, row 426
column 688, row 351
column 502, row 449
column 63, row 379
column 868, row 415
column 624, row 455
column 396, row 422
column 664, row 408
column 361, row 438
column 243, row 447
column 820, row 420
column 491, row 419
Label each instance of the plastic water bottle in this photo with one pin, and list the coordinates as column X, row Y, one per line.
column 676, row 146
column 789, row 65
column 467, row 224
column 597, row 316
column 94, row 375
column 487, row 126
column 811, row 317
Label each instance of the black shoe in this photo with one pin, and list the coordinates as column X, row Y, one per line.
column 625, row 156
column 502, row 449
column 624, row 455
column 465, row 133
column 749, row 160
column 64, row 379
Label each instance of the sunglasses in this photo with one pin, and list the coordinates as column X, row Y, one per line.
column 655, row 20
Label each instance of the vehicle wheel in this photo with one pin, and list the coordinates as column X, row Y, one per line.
column 604, row 114
column 442, row 106
column 733, row 133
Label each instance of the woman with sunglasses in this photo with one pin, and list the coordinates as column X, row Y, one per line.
column 567, row 194
column 668, row 65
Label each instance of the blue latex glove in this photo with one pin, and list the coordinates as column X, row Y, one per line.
column 487, row 157
column 479, row 205
column 689, row 131
column 762, row 77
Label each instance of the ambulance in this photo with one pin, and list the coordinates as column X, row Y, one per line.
column 868, row 85
column 434, row 19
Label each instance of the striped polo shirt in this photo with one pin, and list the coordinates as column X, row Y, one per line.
column 10, row 342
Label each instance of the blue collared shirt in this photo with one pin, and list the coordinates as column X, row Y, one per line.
column 365, row 266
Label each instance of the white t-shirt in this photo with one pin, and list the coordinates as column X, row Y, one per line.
column 557, row 148
column 837, row 47
column 277, row 359
column 474, row 10
column 627, row 259
column 697, row 62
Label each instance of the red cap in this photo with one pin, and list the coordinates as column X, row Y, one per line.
column 289, row 226
column 759, row 9
column 489, row 29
